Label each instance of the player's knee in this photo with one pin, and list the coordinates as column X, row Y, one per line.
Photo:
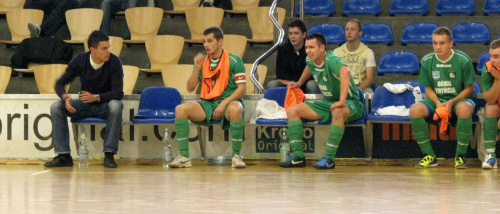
column 115, row 107
column 234, row 108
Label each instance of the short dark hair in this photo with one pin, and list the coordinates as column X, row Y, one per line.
column 95, row 37
column 443, row 31
column 321, row 40
column 357, row 22
column 299, row 24
column 217, row 31
column 495, row 44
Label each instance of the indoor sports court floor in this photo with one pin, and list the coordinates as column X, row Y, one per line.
column 260, row 188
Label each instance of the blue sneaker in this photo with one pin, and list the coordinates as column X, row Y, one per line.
column 489, row 162
column 325, row 163
column 293, row 161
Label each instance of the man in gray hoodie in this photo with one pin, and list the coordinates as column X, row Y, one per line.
column 357, row 56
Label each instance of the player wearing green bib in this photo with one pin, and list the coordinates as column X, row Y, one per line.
column 448, row 77
column 491, row 91
column 223, row 85
column 340, row 104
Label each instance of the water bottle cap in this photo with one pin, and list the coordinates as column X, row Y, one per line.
column 166, row 129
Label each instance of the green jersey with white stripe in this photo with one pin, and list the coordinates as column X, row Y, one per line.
column 327, row 75
column 448, row 78
column 236, row 75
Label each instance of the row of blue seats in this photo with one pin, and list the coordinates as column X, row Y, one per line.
column 373, row 7
column 407, row 62
column 157, row 106
column 416, row 33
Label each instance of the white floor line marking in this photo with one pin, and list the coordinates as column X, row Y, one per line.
column 281, row 201
column 479, row 202
column 232, row 201
column 85, row 200
column 491, row 192
column 330, row 201
column 41, row 172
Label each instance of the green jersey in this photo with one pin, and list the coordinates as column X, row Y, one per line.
column 447, row 78
column 236, row 75
column 487, row 79
column 327, row 75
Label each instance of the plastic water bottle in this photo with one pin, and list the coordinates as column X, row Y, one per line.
column 83, row 152
column 167, row 147
column 284, row 146
column 220, row 160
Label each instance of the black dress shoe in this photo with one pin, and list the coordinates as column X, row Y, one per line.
column 109, row 161
column 61, row 160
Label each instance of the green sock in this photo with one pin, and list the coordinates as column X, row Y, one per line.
column 421, row 133
column 182, row 128
column 295, row 136
column 464, row 133
column 236, row 130
column 336, row 133
column 490, row 128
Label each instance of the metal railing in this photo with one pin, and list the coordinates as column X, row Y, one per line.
column 281, row 34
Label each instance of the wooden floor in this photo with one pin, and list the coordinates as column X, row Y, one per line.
column 260, row 188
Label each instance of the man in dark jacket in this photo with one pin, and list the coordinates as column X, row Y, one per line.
column 101, row 77
column 291, row 60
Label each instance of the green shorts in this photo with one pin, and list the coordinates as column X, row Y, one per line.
column 209, row 108
column 322, row 108
column 431, row 107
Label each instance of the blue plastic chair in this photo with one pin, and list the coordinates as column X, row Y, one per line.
column 278, row 95
column 483, row 59
column 374, row 33
column 491, row 6
column 455, row 7
column 409, row 7
column 383, row 98
column 333, row 32
column 361, row 7
column 418, row 32
column 405, row 62
column 471, row 32
column 316, row 7
column 157, row 105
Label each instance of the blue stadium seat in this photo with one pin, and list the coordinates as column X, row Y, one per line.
column 418, row 32
column 316, row 7
column 409, row 7
column 383, row 98
column 361, row 7
column 491, row 6
column 333, row 32
column 470, row 32
column 157, row 105
column 483, row 59
column 455, row 7
column 405, row 62
column 376, row 33
column 278, row 95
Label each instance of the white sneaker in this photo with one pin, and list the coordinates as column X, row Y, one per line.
column 489, row 162
column 180, row 162
column 238, row 162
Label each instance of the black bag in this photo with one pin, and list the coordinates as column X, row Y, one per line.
column 45, row 50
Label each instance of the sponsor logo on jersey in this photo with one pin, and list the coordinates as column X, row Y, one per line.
column 452, row 74
column 436, row 74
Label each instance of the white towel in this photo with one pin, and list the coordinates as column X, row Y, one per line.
column 393, row 110
column 268, row 109
column 400, row 88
